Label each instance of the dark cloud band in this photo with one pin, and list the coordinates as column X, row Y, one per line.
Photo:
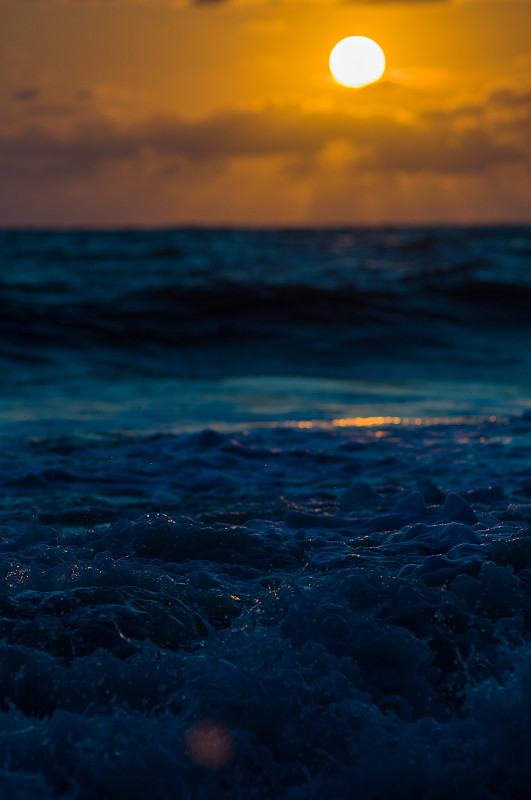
column 437, row 143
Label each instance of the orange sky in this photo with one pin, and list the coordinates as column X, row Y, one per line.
column 155, row 112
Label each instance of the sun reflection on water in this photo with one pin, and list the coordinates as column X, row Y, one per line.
column 378, row 421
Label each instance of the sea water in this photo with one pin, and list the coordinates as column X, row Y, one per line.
column 266, row 514
column 182, row 329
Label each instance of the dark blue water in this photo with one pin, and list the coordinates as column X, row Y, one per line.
column 285, row 613
column 180, row 329
column 265, row 515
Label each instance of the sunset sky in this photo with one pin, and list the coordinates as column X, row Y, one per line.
column 155, row 112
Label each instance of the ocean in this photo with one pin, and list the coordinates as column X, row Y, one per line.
column 178, row 330
column 265, row 519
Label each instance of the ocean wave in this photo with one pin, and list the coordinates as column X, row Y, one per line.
column 177, row 316
column 120, row 313
column 328, row 633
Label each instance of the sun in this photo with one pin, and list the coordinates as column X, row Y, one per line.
column 356, row 61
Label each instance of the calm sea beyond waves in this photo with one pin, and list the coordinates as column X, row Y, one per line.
column 265, row 518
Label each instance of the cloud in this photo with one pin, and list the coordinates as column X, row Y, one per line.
column 391, row 2
column 274, row 165
column 509, row 99
column 229, row 2
column 26, row 94
column 205, row 4
column 329, row 2
column 446, row 143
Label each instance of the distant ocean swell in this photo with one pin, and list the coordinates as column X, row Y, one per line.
column 181, row 288
column 176, row 316
column 195, row 327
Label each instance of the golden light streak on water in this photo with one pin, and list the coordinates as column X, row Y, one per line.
column 222, row 426
column 379, row 421
column 366, row 422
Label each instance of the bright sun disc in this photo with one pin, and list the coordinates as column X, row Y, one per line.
column 356, row 61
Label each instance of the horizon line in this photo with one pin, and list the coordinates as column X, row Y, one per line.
column 228, row 226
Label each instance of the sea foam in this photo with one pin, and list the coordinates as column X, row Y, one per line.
column 215, row 615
